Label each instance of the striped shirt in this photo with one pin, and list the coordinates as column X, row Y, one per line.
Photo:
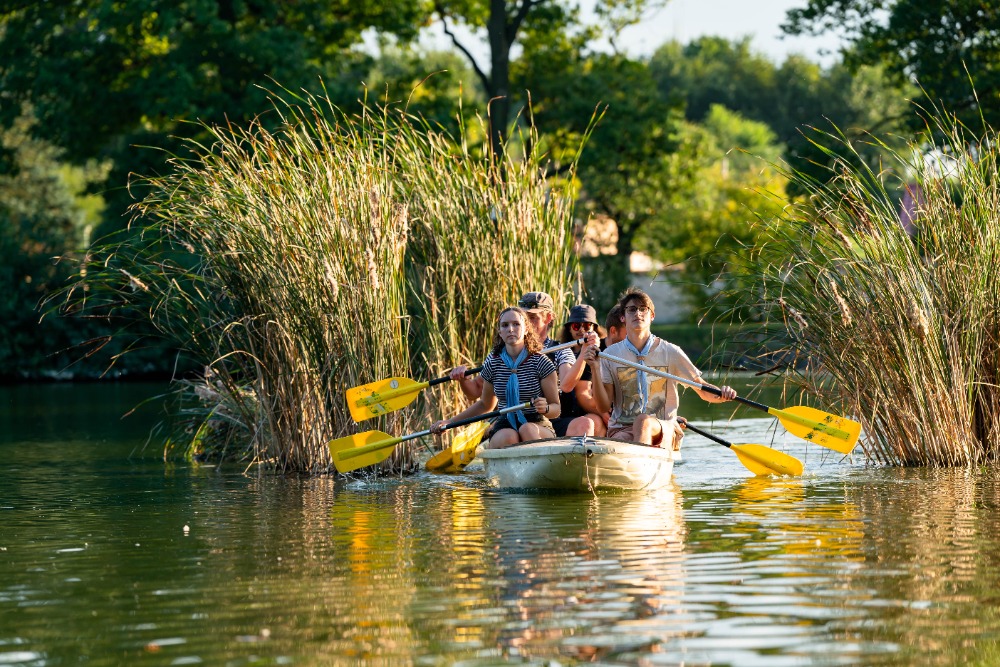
column 530, row 374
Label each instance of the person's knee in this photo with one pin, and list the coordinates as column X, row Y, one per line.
column 504, row 438
column 532, row 432
column 647, row 428
column 581, row 426
column 647, row 423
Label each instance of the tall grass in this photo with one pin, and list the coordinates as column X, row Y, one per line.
column 900, row 331
column 332, row 251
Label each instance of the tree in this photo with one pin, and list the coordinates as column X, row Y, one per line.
column 797, row 99
column 44, row 212
column 550, row 22
column 708, row 226
column 104, row 76
column 639, row 153
column 937, row 44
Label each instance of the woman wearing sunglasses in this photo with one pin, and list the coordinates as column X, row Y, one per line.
column 579, row 412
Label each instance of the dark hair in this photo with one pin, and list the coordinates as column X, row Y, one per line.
column 614, row 318
column 634, row 294
column 564, row 335
column 531, row 342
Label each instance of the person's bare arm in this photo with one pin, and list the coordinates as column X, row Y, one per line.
column 604, row 393
column 548, row 404
column 484, row 404
column 471, row 386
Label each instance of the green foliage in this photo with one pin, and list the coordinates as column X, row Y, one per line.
column 797, row 99
column 44, row 213
column 105, row 76
column 901, row 332
column 639, row 152
column 550, row 24
column 438, row 86
column 293, row 264
column 708, row 226
column 940, row 45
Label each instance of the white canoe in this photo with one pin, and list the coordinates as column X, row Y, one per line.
column 578, row 464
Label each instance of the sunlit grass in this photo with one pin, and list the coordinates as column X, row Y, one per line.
column 901, row 332
column 333, row 251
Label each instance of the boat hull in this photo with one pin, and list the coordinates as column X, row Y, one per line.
column 578, row 464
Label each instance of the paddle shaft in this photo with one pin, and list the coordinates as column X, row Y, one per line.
column 359, row 451
column 548, row 350
column 757, row 458
column 697, row 385
column 447, row 378
column 706, row 434
column 780, row 414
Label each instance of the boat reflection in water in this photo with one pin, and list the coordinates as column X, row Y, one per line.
column 574, row 571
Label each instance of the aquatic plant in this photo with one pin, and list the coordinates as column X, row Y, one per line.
column 334, row 250
column 896, row 322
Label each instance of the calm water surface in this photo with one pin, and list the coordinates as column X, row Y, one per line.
column 109, row 556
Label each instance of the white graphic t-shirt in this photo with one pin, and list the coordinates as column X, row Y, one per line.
column 663, row 397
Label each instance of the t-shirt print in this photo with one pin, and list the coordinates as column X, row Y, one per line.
column 628, row 380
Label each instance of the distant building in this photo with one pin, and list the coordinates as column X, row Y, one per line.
column 600, row 238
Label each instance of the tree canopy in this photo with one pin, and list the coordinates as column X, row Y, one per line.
column 939, row 45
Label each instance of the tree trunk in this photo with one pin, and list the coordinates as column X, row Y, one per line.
column 499, row 92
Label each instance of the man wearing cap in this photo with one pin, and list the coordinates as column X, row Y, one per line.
column 541, row 314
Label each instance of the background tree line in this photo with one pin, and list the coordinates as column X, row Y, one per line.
column 92, row 91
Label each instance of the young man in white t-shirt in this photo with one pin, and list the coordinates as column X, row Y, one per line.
column 644, row 407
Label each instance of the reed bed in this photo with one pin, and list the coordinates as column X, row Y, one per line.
column 330, row 252
column 898, row 329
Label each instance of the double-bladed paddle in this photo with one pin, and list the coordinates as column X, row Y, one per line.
column 371, row 447
column 837, row 433
column 378, row 398
column 758, row 459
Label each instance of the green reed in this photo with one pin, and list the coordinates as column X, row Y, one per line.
column 330, row 252
column 902, row 332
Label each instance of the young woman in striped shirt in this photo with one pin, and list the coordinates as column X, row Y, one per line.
column 515, row 372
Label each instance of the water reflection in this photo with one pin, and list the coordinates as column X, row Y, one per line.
column 572, row 565
column 933, row 561
column 843, row 566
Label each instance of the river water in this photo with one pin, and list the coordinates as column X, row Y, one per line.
column 110, row 556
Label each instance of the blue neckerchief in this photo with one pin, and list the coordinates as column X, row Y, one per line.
column 641, row 375
column 513, row 389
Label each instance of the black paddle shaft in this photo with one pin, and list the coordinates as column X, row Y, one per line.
column 488, row 415
column 704, row 434
column 447, row 378
column 745, row 401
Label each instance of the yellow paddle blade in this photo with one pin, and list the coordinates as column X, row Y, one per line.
column 837, row 433
column 361, row 450
column 463, row 448
column 762, row 460
column 378, row 398
column 440, row 462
